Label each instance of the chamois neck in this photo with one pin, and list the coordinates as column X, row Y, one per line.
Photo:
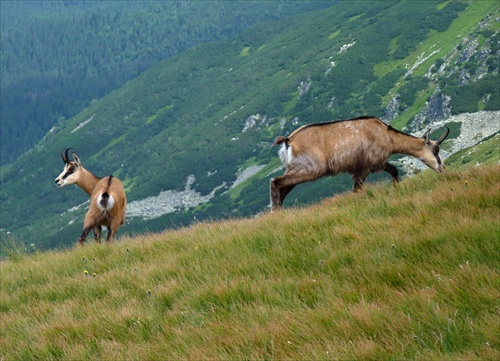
column 87, row 181
column 407, row 144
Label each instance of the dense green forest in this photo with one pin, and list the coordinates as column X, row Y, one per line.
column 56, row 57
column 213, row 111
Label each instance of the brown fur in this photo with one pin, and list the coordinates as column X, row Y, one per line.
column 108, row 188
column 357, row 146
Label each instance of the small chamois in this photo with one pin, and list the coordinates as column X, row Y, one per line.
column 107, row 197
column 358, row 146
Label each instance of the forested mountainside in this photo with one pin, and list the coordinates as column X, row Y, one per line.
column 191, row 137
column 58, row 56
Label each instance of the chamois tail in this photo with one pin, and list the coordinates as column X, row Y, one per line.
column 106, row 201
column 280, row 140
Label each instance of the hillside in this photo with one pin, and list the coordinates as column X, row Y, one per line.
column 57, row 57
column 406, row 273
column 191, row 137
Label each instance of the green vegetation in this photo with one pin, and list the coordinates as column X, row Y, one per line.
column 57, row 57
column 467, row 98
column 406, row 273
column 185, row 116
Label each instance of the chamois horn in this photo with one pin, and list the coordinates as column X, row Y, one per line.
column 64, row 155
column 444, row 135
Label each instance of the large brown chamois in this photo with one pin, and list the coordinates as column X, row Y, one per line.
column 357, row 146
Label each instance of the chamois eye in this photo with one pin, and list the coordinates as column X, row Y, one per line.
column 436, row 150
column 72, row 168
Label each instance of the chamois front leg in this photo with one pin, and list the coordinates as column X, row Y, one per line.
column 359, row 181
column 393, row 171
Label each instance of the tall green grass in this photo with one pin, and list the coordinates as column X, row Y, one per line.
column 390, row 273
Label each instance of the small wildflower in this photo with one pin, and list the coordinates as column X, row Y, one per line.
column 94, row 274
column 93, row 259
column 393, row 246
column 83, row 258
column 466, row 182
column 128, row 250
column 25, row 279
column 148, row 292
column 86, row 273
column 135, row 269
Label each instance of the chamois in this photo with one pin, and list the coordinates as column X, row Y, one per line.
column 357, row 146
column 107, row 197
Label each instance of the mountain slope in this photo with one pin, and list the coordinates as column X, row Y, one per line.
column 406, row 273
column 59, row 56
column 194, row 126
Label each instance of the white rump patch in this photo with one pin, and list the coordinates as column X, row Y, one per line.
column 285, row 154
column 111, row 203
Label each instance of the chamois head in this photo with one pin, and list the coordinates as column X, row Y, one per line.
column 71, row 171
column 430, row 152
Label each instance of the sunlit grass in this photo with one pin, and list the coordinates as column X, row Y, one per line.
column 405, row 273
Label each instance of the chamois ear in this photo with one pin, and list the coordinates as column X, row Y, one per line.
column 426, row 136
column 76, row 159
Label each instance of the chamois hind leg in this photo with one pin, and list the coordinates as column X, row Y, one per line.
column 113, row 227
column 88, row 225
column 85, row 232
column 97, row 233
column 284, row 191
column 393, row 171
column 281, row 186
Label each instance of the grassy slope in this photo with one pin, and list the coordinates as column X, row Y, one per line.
column 388, row 273
column 156, row 135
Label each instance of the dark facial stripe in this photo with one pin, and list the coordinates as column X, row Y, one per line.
column 69, row 172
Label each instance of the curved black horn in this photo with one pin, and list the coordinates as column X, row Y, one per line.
column 64, row 155
column 444, row 135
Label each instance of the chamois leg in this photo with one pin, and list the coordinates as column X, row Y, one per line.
column 284, row 191
column 85, row 232
column 274, row 192
column 358, row 183
column 97, row 233
column 113, row 227
column 281, row 186
column 393, row 171
column 88, row 225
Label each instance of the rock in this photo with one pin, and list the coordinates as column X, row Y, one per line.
column 304, row 87
column 436, row 108
column 391, row 110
